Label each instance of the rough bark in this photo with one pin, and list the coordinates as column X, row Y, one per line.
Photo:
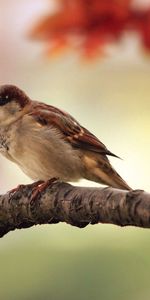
column 78, row 206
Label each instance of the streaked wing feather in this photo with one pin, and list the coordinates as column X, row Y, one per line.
column 73, row 132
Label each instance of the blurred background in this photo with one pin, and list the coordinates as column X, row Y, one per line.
column 108, row 92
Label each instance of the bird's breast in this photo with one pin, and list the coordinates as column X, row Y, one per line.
column 42, row 153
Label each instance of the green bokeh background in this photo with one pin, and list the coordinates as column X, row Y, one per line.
column 110, row 97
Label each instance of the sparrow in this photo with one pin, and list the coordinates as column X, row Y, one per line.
column 46, row 142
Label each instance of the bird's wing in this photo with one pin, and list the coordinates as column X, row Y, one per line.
column 73, row 132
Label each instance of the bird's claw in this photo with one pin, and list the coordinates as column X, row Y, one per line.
column 40, row 186
column 35, row 184
column 14, row 190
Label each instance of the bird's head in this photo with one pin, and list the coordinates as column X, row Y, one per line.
column 12, row 103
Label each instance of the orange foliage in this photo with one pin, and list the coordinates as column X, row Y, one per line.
column 89, row 25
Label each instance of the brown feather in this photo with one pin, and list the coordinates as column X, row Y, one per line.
column 72, row 131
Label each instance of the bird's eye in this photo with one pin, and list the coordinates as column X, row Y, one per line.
column 4, row 99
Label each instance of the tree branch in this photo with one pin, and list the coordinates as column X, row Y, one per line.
column 78, row 206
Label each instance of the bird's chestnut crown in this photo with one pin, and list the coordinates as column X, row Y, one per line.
column 9, row 93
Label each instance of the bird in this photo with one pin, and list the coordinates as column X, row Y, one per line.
column 47, row 142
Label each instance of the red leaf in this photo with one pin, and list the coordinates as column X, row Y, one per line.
column 94, row 22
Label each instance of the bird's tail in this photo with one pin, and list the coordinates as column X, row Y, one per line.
column 100, row 170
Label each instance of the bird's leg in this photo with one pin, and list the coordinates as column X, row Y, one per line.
column 40, row 186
